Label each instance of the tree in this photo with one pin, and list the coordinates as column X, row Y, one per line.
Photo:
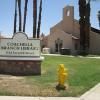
column 99, row 17
column 39, row 19
column 25, row 13
column 34, row 18
column 20, row 16
column 15, row 17
column 84, row 21
column 87, row 27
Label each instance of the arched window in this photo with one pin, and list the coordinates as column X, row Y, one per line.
column 68, row 12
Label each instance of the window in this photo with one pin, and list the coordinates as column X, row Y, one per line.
column 68, row 12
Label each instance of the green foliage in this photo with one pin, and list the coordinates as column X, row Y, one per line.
column 99, row 17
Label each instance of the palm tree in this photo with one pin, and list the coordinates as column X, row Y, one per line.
column 25, row 13
column 84, row 21
column 99, row 17
column 34, row 18
column 20, row 19
column 82, row 9
column 39, row 19
column 15, row 17
column 87, row 27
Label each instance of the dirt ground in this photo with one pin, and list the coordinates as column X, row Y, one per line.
column 15, row 85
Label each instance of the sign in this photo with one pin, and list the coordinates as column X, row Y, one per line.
column 20, row 45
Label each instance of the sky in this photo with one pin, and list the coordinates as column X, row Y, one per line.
column 51, row 15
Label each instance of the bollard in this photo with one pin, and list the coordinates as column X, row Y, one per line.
column 62, row 76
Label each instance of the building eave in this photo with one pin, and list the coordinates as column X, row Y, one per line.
column 75, row 38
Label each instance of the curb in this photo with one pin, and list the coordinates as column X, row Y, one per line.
column 36, row 98
column 91, row 94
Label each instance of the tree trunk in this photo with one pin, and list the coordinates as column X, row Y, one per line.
column 25, row 14
column 15, row 17
column 87, row 27
column 20, row 16
column 82, row 7
column 34, row 18
column 39, row 19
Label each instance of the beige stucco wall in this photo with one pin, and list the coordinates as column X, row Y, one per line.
column 68, row 19
column 76, row 32
column 57, row 26
column 68, row 25
column 67, row 40
column 94, row 43
column 67, row 22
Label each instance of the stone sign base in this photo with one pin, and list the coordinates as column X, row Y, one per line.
column 20, row 66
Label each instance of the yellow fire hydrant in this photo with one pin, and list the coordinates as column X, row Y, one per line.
column 62, row 76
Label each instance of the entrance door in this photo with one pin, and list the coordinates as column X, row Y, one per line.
column 58, row 45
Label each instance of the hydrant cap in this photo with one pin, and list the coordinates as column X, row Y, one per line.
column 61, row 65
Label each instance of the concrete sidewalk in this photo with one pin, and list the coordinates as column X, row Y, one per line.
column 93, row 94
column 18, row 98
column 96, row 57
column 36, row 98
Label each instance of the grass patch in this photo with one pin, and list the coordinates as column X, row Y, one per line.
column 84, row 73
